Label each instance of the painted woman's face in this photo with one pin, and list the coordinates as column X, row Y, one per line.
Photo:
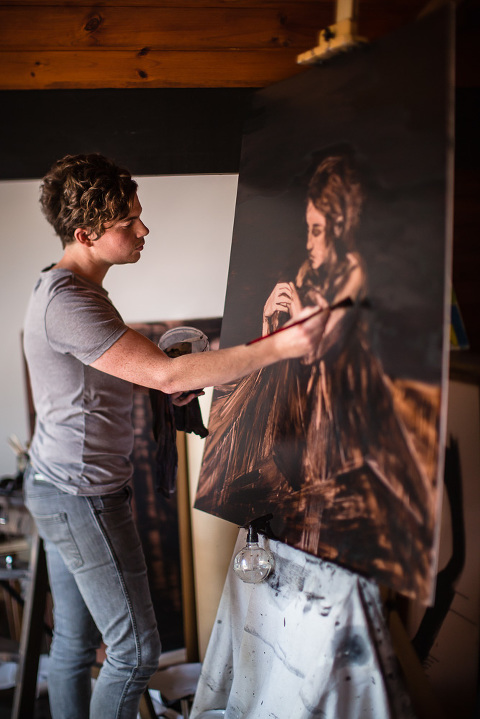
column 318, row 247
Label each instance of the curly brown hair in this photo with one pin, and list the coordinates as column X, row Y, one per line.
column 88, row 191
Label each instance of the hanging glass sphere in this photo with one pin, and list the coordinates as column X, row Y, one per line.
column 253, row 564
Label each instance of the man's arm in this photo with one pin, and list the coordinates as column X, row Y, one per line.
column 136, row 359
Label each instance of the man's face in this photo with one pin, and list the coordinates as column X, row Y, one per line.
column 123, row 241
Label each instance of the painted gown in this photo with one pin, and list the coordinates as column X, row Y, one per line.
column 318, row 443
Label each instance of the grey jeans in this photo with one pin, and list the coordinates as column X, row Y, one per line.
column 99, row 585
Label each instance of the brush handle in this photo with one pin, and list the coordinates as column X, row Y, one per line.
column 347, row 302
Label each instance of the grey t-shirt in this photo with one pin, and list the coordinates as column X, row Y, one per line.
column 83, row 431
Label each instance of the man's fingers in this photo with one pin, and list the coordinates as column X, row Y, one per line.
column 184, row 398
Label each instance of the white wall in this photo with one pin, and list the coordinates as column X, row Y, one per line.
column 182, row 272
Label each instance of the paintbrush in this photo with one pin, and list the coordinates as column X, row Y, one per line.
column 347, row 302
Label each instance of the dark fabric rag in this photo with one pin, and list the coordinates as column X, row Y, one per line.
column 167, row 419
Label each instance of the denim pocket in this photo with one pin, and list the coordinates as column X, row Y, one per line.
column 112, row 502
column 55, row 528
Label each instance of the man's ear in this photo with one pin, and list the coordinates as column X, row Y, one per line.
column 84, row 236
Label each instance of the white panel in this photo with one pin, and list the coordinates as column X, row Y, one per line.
column 184, row 264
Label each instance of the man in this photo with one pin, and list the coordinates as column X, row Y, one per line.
column 82, row 361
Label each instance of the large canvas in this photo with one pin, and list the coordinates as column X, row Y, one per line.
column 344, row 196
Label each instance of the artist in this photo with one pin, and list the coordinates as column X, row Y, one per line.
column 83, row 361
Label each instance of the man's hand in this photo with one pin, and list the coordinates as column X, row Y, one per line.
column 182, row 398
column 302, row 335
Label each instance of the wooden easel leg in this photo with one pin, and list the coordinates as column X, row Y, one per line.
column 32, row 633
column 147, row 710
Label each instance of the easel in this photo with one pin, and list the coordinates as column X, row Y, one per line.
column 336, row 38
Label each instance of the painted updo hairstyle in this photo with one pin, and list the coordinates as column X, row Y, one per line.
column 336, row 192
column 88, row 191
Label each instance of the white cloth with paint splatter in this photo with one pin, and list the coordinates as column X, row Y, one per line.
column 309, row 642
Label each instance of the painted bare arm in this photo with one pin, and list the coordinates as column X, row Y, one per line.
column 283, row 298
column 136, row 359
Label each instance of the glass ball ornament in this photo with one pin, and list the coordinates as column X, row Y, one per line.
column 252, row 564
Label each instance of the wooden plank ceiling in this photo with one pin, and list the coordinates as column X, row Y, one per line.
column 65, row 44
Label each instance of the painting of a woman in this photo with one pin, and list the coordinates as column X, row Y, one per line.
column 319, row 442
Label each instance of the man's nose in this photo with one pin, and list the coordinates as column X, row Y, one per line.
column 144, row 231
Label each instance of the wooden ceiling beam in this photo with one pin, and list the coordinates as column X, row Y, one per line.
column 166, row 28
column 124, row 69
column 194, row 4
column 398, row 7
column 46, row 44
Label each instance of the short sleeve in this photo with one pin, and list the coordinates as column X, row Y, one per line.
column 82, row 323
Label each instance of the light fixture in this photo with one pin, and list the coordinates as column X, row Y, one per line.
column 253, row 564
